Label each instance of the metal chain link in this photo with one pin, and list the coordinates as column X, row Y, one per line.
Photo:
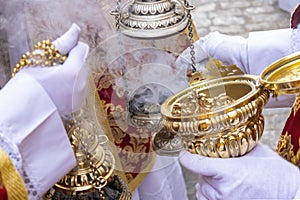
column 117, row 13
column 191, row 36
column 118, row 16
column 98, row 182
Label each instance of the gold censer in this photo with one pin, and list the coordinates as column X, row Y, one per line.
column 223, row 117
column 93, row 177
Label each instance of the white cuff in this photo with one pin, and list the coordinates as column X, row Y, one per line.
column 35, row 126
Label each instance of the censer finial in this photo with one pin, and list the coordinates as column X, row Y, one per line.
column 152, row 18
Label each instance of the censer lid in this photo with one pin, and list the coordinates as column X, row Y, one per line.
column 154, row 18
column 283, row 76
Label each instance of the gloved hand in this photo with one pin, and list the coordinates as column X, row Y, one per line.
column 228, row 49
column 260, row 174
column 184, row 60
column 66, row 83
column 251, row 55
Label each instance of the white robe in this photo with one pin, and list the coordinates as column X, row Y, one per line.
column 33, row 135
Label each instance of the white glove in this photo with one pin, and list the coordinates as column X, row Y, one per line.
column 30, row 122
column 229, row 49
column 260, row 174
column 66, row 83
column 184, row 60
column 251, row 55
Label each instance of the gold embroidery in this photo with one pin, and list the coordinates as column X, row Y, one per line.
column 296, row 105
column 105, row 81
column 285, row 149
column 117, row 116
column 133, row 145
column 134, row 154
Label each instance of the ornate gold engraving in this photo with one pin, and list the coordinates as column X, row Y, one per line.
column 296, row 105
column 198, row 102
column 222, row 117
column 95, row 165
column 218, row 118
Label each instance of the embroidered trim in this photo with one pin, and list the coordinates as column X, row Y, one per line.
column 285, row 149
column 12, row 151
column 12, row 180
column 296, row 105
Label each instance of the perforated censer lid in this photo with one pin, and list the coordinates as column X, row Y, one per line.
column 154, row 18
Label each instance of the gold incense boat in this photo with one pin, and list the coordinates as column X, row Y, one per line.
column 223, row 117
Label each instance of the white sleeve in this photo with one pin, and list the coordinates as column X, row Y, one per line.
column 30, row 124
column 253, row 54
column 164, row 181
column 297, row 196
column 264, row 48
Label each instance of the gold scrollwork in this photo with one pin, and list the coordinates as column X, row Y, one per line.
column 199, row 102
column 285, row 149
column 296, row 105
column 218, row 118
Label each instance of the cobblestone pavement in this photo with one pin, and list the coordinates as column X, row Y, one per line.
column 239, row 17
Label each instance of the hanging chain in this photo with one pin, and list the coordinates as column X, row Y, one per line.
column 98, row 181
column 118, row 15
column 191, row 36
